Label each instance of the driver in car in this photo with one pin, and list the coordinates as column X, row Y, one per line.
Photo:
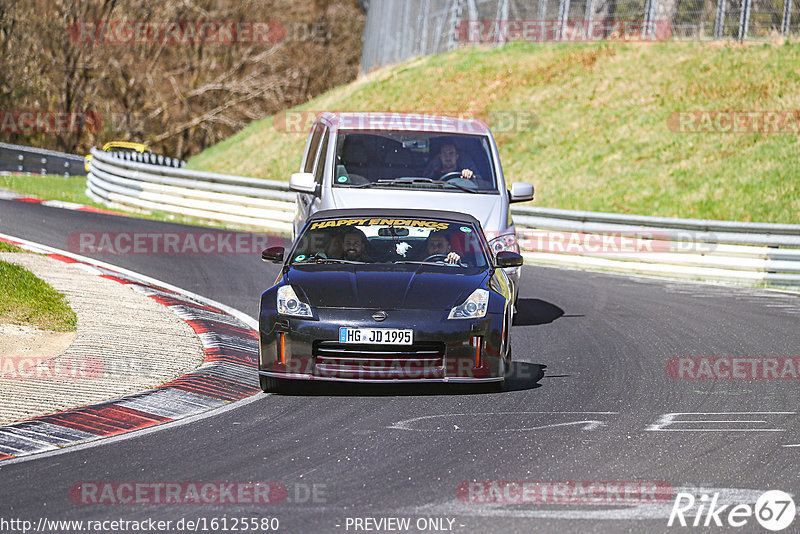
column 449, row 161
column 437, row 244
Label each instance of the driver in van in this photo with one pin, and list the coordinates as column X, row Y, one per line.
column 449, row 160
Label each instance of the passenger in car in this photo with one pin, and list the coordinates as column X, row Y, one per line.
column 355, row 244
column 335, row 248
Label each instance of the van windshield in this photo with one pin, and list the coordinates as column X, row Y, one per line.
column 418, row 160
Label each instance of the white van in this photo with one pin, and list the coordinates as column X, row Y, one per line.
column 397, row 160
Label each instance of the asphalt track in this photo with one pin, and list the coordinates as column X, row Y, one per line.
column 587, row 401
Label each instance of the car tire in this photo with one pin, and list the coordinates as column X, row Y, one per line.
column 270, row 384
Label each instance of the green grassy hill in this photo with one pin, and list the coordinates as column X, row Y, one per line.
column 602, row 141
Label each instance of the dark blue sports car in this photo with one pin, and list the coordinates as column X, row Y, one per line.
column 374, row 295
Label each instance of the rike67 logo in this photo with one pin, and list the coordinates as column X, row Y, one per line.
column 774, row 510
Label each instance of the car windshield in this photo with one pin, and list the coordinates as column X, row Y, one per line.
column 418, row 160
column 451, row 244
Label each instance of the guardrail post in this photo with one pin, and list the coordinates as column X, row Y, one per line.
column 422, row 24
column 542, row 13
column 588, row 19
column 650, row 10
column 744, row 20
column 454, row 19
column 719, row 22
column 787, row 17
column 502, row 21
column 563, row 17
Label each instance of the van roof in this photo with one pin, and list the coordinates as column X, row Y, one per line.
column 390, row 121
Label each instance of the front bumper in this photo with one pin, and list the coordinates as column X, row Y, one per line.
column 444, row 350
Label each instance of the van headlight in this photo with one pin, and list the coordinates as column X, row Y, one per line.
column 290, row 304
column 504, row 242
column 473, row 308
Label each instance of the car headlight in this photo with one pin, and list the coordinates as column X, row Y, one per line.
column 504, row 242
column 290, row 304
column 473, row 308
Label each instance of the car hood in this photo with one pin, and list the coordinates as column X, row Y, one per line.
column 384, row 287
column 488, row 209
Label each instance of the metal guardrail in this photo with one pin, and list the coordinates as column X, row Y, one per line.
column 746, row 253
column 25, row 159
column 241, row 200
column 749, row 253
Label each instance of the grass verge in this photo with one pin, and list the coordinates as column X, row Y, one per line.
column 50, row 187
column 602, row 140
column 8, row 247
column 28, row 300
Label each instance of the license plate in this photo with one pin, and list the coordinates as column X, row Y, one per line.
column 376, row 336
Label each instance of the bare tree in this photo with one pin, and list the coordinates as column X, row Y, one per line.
column 177, row 95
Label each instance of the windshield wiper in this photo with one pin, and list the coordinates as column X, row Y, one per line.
column 467, row 189
column 410, row 181
column 412, row 262
column 387, row 181
column 321, row 259
column 337, row 260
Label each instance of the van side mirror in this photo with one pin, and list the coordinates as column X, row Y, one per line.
column 303, row 182
column 273, row 254
column 520, row 192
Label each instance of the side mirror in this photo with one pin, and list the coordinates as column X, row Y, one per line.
column 303, row 182
column 506, row 258
column 273, row 254
column 520, row 192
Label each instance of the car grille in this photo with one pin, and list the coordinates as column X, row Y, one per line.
column 379, row 362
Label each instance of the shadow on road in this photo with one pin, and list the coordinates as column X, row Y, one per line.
column 535, row 311
column 521, row 376
column 524, row 375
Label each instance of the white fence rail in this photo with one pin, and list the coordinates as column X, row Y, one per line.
column 747, row 253
column 251, row 202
